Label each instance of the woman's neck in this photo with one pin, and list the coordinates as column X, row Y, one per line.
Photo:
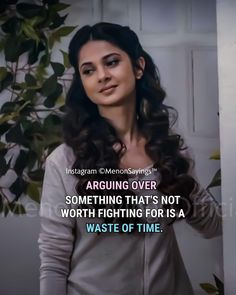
column 124, row 120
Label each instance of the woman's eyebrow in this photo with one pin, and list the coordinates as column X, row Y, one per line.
column 103, row 58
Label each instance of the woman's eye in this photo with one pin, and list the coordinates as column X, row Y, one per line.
column 112, row 62
column 87, row 71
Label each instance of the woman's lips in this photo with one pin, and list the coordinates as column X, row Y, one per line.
column 108, row 90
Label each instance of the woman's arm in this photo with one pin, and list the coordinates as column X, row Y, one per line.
column 206, row 215
column 56, row 235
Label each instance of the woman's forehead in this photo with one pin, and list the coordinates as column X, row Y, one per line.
column 96, row 50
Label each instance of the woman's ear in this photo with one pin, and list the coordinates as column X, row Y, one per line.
column 140, row 68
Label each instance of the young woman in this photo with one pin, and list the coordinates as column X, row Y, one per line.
column 116, row 118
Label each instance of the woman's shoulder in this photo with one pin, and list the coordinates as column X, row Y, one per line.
column 62, row 156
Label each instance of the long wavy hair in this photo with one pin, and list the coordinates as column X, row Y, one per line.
column 92, row 138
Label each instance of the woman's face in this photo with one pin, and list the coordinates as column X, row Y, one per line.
column 107, row 74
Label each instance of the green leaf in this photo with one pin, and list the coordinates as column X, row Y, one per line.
column 21, row 162
column 48, row 19
column 18, row 187
column 34, row 136
column 32, row 159
column 1, row 203
column 49, row 86
column 215, row 155
column 25, row 108
column 2, row 43
column 52, row 139
column 56, row 36
column 7, row 81
column 17, row 208
column 30, row 32
column 26, row 124
column 51, row 122
column 3, row 152
column 3, row 166
column 50, row 2
column 209, row 288
column 30, row 80
column 60, row 102
column 52, row 98
column 37, row 146
column 4, row 127
column 34, row 52
column 3, row 8
column 219, row 285
column 29, row 10
column 3, row 73
column 2, row 145
column 64, row 31
column 45, row 59
column 58, row 68
column 8, row 107
column 16, row 86
column 57, row 21
column 6, row 210
column 32, row 128
column 5, row 118
column 53, row 128
column 36, row 175
column 41, row 73
column 216, row 180
column 12, row 26
column 15, row 134
column 33, row 192
column 36, row 20
column 62, row 109
column 60, row 6
column 13, row 48
column 51, row 40
column 30, row 95
column 65, row 59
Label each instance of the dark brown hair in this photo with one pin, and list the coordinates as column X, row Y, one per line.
column 92, row 137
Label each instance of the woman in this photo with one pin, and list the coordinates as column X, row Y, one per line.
column 116, row 118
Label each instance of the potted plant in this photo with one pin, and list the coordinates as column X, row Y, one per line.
column 33, row 88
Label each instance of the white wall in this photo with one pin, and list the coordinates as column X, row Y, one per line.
column 226, row 25
column 19, row 255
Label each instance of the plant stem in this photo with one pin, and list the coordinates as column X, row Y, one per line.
column 209, row 192
column 63, row 79
column 12, row 91
column 3, row 194
column 14, row 79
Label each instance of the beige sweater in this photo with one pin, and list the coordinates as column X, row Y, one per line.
column 74, row 262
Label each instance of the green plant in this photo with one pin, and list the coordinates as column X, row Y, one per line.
column 33, row 87
column 211, row 289
column 216, row 180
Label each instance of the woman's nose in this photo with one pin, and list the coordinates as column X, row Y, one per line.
column 103, row 74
